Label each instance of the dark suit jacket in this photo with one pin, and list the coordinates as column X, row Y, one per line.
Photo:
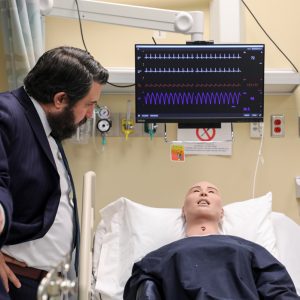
column 29, row 181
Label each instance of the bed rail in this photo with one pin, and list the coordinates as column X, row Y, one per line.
column 55, row 285
column 87, row 223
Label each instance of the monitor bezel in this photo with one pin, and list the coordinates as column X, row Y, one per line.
column 202, row 120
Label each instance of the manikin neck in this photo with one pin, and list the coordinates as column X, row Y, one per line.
column 201, row 229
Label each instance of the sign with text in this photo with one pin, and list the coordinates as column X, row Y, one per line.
column 207, row 141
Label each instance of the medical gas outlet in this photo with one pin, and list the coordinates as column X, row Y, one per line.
column 127, row 127
column 277, row 126
column 150, row 128
column 104, row 124
column 127, row 123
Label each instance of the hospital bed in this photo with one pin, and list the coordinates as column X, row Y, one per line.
column 128, row 230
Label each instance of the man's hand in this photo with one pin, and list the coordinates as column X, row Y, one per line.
column 6, row 273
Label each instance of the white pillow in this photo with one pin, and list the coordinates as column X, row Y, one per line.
column 130, row 230
column 251, row 219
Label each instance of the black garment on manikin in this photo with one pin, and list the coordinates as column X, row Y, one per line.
column 212, row 267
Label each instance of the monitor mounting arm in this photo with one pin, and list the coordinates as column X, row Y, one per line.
column 129, row 15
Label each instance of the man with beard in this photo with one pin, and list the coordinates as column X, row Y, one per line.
column 38, row 211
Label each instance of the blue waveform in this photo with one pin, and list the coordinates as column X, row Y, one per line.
column 160, row 98
column 192, row 56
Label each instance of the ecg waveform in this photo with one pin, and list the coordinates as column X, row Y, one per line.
column 192, row 85
column 191, row 70
column 160, row 98
column 201, row 56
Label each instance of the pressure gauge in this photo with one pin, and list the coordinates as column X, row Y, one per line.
column 104, row 112
column 104, row 125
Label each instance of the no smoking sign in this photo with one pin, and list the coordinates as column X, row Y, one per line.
column 206, row 134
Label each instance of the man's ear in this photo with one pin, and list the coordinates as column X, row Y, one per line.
column 60, row 100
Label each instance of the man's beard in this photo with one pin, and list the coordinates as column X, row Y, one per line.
column 63, row 124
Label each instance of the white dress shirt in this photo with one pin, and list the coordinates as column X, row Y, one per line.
column 50, row 250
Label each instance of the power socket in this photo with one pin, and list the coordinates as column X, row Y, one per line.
column 277, row 126
column 256, row 129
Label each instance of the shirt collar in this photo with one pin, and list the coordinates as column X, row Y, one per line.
column 42, row 116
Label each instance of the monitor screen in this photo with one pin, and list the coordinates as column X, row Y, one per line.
column 191, row 84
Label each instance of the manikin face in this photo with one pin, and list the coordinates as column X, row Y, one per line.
column 203, row 201
column 66, row 120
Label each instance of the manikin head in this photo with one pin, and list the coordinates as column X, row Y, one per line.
column 202, row 209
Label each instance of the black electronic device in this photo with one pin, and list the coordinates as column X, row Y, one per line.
column 199, row 84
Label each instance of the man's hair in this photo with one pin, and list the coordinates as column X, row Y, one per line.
column 64, row 69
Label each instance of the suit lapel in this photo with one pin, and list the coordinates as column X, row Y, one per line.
column 34, row 121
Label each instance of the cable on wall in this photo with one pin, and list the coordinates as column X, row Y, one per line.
column 80, row 25
column 261, row 27
column 260, row 159
column 83, row 41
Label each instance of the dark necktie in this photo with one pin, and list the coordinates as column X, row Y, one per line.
column 76, row 231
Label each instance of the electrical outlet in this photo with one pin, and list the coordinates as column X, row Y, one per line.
column 277, row 126
column 256, row 129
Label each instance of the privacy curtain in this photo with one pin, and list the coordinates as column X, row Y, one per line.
column 23, row 37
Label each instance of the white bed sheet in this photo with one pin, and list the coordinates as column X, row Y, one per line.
column 288, row 244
